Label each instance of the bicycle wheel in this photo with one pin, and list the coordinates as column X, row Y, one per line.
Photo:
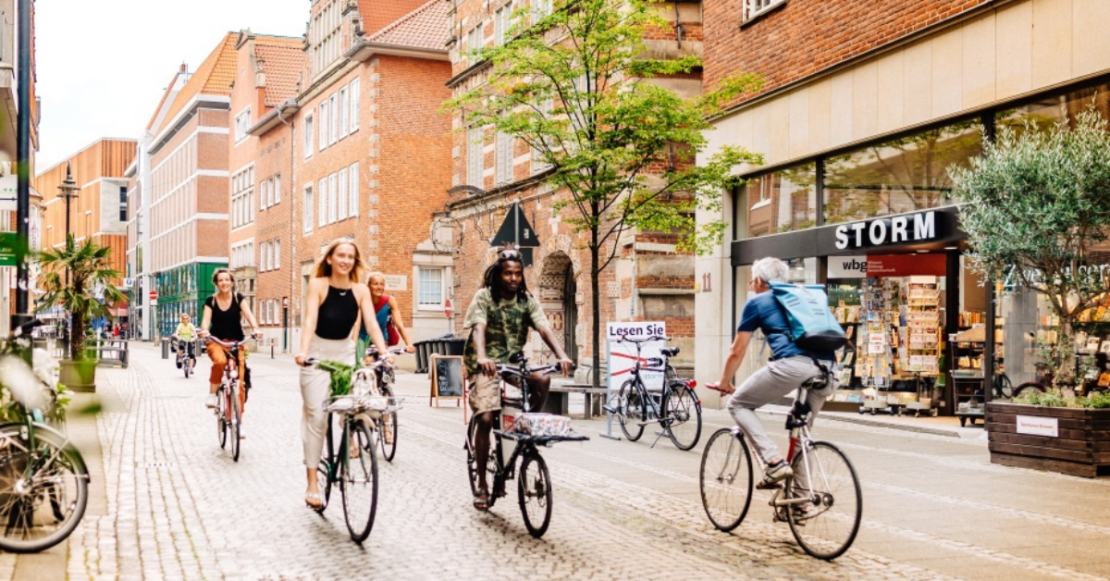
column 630, row 411
column 387, row 431
column 234, row 417
column 1029, row 387
column 726, row 479
column 1003, row 387
column 826, row 524
column 534, row 493
column 358, row 481
column 472, row 460
column 221, row 417
column 323, row 482
column 683, row 413
column 43, row 493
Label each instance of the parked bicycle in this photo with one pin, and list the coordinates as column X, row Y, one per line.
column 385, row 423
column 822, row 502
column 534, row 490
column 677, row 409
column 44, row 483
column 229, row 398
column 352, row 465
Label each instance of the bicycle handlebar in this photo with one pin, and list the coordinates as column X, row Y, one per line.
column 627, row 339
column 373, row 351
column 524, row 371
column 230, row 344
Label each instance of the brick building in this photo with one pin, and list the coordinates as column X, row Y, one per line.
column 369, row 154
column 185, row 198
column 491, row 172
column 99, row 212
column 864, row 111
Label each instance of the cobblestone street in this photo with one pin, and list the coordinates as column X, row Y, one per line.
column 173, row 505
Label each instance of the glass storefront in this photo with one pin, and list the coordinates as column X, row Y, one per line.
column 782, row 201
column 182, row 290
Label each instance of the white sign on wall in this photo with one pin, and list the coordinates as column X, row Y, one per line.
column 396, row 282
column 1035, row 426
column 848, row 266
column 622, row 354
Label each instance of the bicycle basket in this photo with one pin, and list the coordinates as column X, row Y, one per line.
column 372, row 405
column 542, row 425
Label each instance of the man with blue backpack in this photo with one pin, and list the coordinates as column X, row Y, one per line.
column 803, row 337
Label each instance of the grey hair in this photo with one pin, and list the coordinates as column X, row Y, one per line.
column 770, row 269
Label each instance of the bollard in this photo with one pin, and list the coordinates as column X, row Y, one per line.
column 165, row 347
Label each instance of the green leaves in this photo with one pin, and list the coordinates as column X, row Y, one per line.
column 89, row 266
column 340, row 376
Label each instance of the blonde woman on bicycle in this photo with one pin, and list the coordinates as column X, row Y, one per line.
column 334, row 303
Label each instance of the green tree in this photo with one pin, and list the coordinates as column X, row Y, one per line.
column 89, row 270
column 580, row 87
column 1037, row 207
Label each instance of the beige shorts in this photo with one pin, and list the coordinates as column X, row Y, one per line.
column 485, row 392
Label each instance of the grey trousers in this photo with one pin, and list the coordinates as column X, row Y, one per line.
column 771, row 383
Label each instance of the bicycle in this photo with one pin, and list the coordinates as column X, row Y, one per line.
column 229, row 402
column 355, row 470
column 44, row 482
column 534, row 491
column 677, row 411
column 186, row 358
column 386, row 423
column 823, row 518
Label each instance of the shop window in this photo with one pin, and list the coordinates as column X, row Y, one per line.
column 783, row 201
column 1045, row 112
column 901, row 175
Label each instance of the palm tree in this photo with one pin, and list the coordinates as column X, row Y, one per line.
column 89, row 269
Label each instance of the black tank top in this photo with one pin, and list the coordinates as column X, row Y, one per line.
column 225, row 324
column 337, row 315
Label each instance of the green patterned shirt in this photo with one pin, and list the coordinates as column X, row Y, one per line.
column 507, row 324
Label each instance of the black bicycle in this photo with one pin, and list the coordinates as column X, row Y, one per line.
column 44, row 483
column 186, row 355
column 385, row 423
column 677, row 409
column 534, row 491
column 353, row 464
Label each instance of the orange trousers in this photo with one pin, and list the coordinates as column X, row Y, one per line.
column 219, row 356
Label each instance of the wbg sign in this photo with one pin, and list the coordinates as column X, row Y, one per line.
column 908, row 229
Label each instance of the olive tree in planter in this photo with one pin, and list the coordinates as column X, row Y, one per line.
column 1036, row 206
column 89, row 268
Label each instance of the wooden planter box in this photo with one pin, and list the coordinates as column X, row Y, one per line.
column 1080, row 448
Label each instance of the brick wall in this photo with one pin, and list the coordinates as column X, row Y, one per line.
column 806, row 36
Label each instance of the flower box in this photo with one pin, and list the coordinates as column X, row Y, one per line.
column 1070, row 441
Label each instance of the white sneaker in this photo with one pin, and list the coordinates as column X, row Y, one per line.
column 776, row 473
column 211, row 401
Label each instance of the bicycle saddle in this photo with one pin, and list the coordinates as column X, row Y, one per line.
column 669, row 351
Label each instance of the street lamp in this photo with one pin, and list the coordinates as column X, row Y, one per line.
column 69, row 192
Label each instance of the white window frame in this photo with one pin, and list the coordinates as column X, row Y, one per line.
column 355, row 104
column 322, row 193
column 474, row 156
column 308, row 208
column 325, row 123
column 753, row 8
column 343, row 112
column 334, row 129
column 420, row 303
column 504, row 155
column 262, row 197
column 543, row 8
column 308, row 136
column 333, row 207
column 342, row 195
column 277, row 254
column 352, row 190
column 473, row 42
column 502, row 21
column 242, row 124
column 277, row 189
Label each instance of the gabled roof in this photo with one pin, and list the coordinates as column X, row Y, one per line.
column 165, row 96
column 421, row 28
column 380, row 14
column 282, row 60
column 213, row 77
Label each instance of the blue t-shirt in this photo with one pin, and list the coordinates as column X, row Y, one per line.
column 763, row 312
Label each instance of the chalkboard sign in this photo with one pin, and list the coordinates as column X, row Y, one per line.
column 447, row 377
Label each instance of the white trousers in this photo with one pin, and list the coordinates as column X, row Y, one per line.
column 315, row 390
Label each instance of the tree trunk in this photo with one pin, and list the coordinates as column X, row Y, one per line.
column 76, row 337
column 595, row 288
column 1065, row 373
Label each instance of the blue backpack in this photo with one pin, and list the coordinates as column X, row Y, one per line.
column 812, row 325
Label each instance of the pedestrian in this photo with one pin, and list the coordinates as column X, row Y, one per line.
column 388, row 316
column 334, row 301
column 223, row 312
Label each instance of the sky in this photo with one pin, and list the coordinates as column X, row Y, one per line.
column 102, row 65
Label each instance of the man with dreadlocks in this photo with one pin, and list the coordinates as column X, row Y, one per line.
column 499, row 318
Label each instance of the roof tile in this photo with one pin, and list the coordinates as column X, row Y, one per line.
column 282, row 61
column 424, row 27
column 213, row 77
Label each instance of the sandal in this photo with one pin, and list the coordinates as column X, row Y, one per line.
column 352, row 450
column 481, row 500
column 310, row 497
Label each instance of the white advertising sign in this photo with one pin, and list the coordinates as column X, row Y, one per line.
column 848, row 266
column 623, row 354
column 1035, row 426
column 8, row 193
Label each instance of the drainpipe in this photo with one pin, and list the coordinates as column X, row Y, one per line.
column 288, row 331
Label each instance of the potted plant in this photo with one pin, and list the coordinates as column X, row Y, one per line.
column 89, row 269
column 1036, row 208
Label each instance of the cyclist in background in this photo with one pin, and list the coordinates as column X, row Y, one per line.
column 787, row 370
column 186, row 335
column 499, row 318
